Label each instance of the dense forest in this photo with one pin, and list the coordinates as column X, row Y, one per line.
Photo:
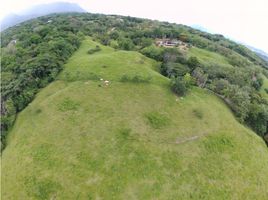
column 34, row 52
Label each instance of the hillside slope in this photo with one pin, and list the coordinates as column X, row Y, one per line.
column 130, row 139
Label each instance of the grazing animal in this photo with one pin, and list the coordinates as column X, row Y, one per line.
column 106, row 82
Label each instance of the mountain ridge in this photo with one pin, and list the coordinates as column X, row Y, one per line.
column 260, row 52
column 38, row 11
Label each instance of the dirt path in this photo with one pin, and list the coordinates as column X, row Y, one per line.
column 180, row 141
column 189, row 139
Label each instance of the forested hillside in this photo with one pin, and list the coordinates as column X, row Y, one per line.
column 34, row 52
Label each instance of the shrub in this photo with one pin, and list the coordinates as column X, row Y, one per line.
column 94, row 50
column 126, row 44
column 200, row 77
column 153, row 52
column 258, row 118
column 257, row 84
column 266, row 90
column 219, row 143
column 193, row 63
column 170, row 69
column 41, row 188
column 135, row 78
column 178, row 86
column 198, row 113
column 70, row 77
column 124, row 133
column 68, row 104
column 189, row 80
column 239, row 101
column 38, row 111
column 157, row 120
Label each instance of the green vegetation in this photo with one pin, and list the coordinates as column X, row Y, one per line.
column 77, row 140
column 178, row 85
column 98, row 120
column 264, row 88
column 31, row 58
column 67, row 104
column 34, row 52
column 239, row 86
column 94, row 50
column 206, row 57
column 198, row 113
column 157, row 120
column 135, row 79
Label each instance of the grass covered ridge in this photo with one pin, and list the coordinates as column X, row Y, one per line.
column 82, row 139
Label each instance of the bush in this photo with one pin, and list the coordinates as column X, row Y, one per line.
column 257, row 84
column 126, row 44
column 239, row 101
column 200, row 77
column 178, row 86
column 67, row 104
column 153, row 52
column 94, row 50
column 258, row 118
column 219, row 143
column 135, row 79
column 193, row 63
column 124, row 133
column 266, row 90
column 198, row 113
column 157, row 120
column 174, row 69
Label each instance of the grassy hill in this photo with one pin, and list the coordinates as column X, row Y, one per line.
column 206, row 56
column 265, row 85
column 130, row 139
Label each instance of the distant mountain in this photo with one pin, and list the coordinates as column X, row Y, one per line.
column 37, row 11
column 259, row 52
column 201, row 28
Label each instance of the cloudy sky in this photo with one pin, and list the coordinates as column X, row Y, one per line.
column 241, row 20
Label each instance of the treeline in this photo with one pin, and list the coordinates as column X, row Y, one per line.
column 33, row 53
column 32, row 56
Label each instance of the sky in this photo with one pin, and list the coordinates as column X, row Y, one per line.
column 244, row 21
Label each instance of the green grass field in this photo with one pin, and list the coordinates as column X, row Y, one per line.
column 206, row 57
column 265, row 85
column 81, row 139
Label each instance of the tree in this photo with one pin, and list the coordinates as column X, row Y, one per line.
column 193, row 63
column 239, row 101
column 171, row 54
column 153, row 52
column 126, row 44
column 171, row 69
column 258, row 118
column 145, row 42
column 114, row 35
column 257, row 82
column 200, row 77
column 188, row 80
column 178, row 86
